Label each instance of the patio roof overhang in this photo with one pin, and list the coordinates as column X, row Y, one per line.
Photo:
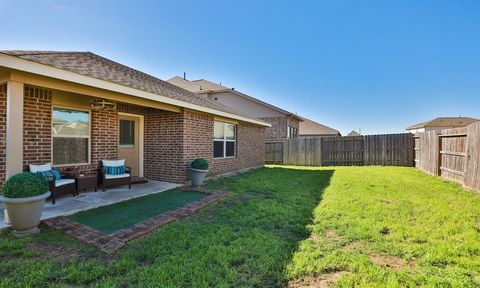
column 19, row 64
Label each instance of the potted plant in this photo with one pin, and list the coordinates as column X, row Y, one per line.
column 199, row 168
column 24, row 195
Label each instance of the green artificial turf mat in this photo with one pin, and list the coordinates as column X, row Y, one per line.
column 120, row 215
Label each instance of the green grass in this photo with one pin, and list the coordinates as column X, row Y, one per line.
column 359, row 226
column 393, row 227
column 117, row 216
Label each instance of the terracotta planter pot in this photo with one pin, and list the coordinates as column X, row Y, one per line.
column 25, row 213
column 198, row 176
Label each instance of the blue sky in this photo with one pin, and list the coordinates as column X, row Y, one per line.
column 375, row 65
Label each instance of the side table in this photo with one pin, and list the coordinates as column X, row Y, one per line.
column 86, row 182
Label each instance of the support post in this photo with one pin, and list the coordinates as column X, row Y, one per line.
column 14, row 138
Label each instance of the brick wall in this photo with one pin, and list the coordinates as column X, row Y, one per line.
column 163, row 143
column 250, row 147
column 37, row 129
column 279, row 127
column 171, row 141
column 250, row 150
column 104, row 138
column 198, row 139
column 3, row 130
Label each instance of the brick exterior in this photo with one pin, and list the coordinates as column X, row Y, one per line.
column 37, row 125
column 104, row 138
column 197, row 139
column 278, row 130
column 250, row 150
column 3, row 130
column 171, row 140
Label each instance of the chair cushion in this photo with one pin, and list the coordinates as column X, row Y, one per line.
column 117, row 176
column 34, row 168
column 53, row 174
column 114, row 170
column 113, row 163
column 62, row 182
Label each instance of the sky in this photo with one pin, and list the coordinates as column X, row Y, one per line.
column 378, row 66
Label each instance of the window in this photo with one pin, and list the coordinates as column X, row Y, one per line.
column 70, row 136
column 292, row 132
column 127, row 133
column 223, row 140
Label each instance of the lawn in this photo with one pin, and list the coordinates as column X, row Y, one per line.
column 352, row 226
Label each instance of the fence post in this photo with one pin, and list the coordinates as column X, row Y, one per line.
column 439, row 160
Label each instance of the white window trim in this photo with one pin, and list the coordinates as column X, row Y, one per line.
column 225, row 140
column 89, row 146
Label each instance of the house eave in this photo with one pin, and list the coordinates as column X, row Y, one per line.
column 16, row 63
column 260, row 102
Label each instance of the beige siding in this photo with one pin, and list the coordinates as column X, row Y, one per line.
column 247, row 106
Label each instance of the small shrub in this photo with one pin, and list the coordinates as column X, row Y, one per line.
column 25, row 184
column 200, row 164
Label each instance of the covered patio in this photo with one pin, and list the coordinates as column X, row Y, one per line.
column 67, row 205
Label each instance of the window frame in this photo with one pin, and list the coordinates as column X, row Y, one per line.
column 89, row 137
column 292, row 132
column 225, row 140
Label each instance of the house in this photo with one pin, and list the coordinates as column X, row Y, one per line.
column 354, row 133
column 309, row 128
column 441, row 123
column 284, row 124
column 76, row 108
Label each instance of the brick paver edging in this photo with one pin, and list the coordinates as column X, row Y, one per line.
column 111, row 242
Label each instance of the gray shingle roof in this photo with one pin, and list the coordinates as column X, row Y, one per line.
column 92, row 65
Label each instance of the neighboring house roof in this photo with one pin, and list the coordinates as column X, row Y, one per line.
column 354, row 133
column 95, row 66
column 445, row 122
column 203, row 86
column 309, row 127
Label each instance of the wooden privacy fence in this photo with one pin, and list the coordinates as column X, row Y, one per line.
column 389, row 149
column 451, row 153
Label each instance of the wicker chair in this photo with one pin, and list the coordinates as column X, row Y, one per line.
column 65, row 185
column 107, row 180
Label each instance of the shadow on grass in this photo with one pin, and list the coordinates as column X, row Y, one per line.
column 245, row 240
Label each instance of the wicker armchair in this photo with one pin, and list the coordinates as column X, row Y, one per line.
column 65, row 185
column 107, row 180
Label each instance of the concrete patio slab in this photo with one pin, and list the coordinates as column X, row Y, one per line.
column 67, row 205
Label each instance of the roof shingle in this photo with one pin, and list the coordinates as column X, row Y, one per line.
column 93, row 65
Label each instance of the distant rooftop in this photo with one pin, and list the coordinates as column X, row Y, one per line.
column 202, row 86
column 312, row 128
column 445, row 122
column 354, row 133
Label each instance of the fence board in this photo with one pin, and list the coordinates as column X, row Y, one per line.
column 343, row 151
column 274, row 153
column 472, row 167
column 391, row 149
column 428, row 153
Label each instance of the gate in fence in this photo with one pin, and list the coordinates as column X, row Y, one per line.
column 451, row 153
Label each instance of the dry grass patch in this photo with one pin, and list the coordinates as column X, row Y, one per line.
column 321, row 281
